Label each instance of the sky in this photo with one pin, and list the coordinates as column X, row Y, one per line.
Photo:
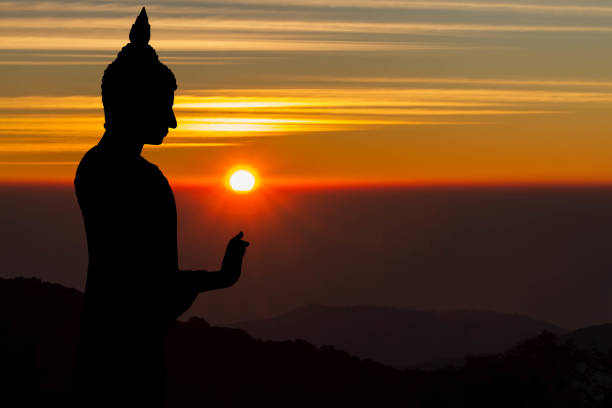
column 318, row 92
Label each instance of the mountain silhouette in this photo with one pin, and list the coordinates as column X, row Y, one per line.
column 398, row 337
column 226, row 367
column 597, row 336
column 214, row 366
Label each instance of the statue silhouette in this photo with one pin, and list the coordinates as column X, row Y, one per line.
column 134, row 289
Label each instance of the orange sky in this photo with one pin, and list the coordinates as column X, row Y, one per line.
column 360, row 91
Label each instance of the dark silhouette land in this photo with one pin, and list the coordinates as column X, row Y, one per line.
column 134, row 290
column 212, row 366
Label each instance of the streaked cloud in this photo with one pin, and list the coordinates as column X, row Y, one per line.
column 39, row 163
column 576, row 7
column 51, row 102
column 218, row 26
column 44, row 147
column 206, row 27
column 171, row 144
column 517, row 7
column 296, row 100
column 543, row 82
column 218, row 44
column 69, row 124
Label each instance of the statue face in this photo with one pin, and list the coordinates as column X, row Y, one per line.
column 143, row 117
column 156, row 118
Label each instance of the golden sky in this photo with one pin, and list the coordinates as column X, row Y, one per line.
column 366, row 91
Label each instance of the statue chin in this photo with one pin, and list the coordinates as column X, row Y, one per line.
column 157, row 140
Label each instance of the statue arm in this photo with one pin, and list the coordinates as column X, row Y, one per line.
column 231, row 268
column 190, row 283
column 203, row 281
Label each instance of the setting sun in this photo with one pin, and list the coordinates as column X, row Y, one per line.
column 242, row 181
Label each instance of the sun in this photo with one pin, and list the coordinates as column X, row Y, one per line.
column 242, row 181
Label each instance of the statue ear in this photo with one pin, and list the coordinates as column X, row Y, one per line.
column 140, row 34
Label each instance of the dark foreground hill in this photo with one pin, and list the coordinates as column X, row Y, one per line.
column 397, row 337
column 599, row 337
column 221, row 367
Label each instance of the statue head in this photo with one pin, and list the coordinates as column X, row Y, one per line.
column 138, row 90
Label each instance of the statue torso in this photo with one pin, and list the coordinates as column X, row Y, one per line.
column 130, row 220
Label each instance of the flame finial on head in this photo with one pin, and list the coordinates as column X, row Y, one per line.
column 140, row 34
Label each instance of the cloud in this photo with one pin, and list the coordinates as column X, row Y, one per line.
column 225, row 116
column 219, row 25
column 38, row 163
column 217, row 44
column 456, row 81
column 211, row 6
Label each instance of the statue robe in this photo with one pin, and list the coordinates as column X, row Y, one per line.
column 134, row 290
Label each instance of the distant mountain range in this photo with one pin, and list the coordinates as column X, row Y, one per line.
column 401, row 338
column 216, row 366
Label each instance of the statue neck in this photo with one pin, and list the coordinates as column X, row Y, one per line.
column 120, row 143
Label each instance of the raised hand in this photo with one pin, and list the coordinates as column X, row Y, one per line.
column 232, row 261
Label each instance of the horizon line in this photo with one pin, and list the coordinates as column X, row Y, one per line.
column 323, row 184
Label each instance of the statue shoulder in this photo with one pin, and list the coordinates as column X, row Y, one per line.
column 89, row 165
column 98, row 168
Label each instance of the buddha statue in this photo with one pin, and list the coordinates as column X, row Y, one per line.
column 134, row 289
